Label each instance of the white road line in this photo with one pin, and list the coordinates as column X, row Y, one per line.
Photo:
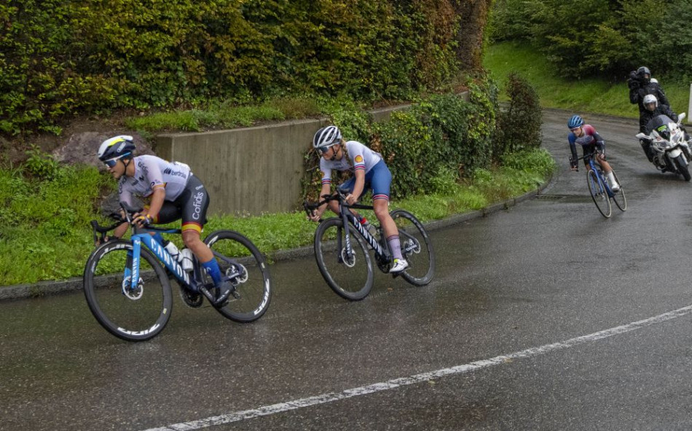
column 405, row 381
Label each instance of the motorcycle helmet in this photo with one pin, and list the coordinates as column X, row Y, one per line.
column 574, row 122
column 644, row 74
column 325, row 138
column 649, row 100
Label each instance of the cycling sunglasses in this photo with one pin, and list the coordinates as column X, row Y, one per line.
column 323, row 150
column 111, row 162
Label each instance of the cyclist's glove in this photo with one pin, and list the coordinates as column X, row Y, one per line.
column 572, row 162
column 143, row 220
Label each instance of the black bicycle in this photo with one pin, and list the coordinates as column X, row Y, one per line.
column 128, row 289
column 342, row 253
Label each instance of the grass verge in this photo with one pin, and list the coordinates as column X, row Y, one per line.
column 600, row 96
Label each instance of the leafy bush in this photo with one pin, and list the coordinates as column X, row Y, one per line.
column 519, row 125
column 433, row 144
column 602, row 37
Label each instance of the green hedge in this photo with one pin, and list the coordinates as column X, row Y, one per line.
column 58, row 58
column 439, row 140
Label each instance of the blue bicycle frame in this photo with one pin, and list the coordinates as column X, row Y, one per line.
column 602, row 182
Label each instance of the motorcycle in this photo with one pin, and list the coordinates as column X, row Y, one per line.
column 667, row 144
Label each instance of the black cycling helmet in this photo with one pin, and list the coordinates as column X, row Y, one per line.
column 116, row 148
column 575, row 121
column 326, row 137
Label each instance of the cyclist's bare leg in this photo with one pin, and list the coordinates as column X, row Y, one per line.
column 382, row 213
column 391, row 232
column 193, row 241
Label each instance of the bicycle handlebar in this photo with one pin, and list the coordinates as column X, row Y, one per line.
column 339, row 196
column 100, row 231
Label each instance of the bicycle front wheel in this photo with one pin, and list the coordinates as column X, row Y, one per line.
column 348, row 272
column 416, row 247
column 246, row 268
column 130, row 314
column 598, row 193
column 619, row 196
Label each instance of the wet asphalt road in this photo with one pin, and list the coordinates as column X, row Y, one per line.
column 524, row 283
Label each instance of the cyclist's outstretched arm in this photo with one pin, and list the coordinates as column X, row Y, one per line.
column 325, row 190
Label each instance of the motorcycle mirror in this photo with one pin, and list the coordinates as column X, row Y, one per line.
column 640, row 135
column 681, row 117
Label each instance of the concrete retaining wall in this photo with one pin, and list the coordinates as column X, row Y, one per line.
column 252, row 170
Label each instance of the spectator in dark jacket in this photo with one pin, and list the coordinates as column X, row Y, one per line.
column 641, row 84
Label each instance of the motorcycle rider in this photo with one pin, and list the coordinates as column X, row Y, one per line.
column 640, row 85
column 652, row 110
column 591, row 143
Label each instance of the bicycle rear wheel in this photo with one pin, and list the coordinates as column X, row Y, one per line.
column 350, row 276
column 416, row 247
column 598, row 193
column 130, row 315
column 619, row 197
column 241, row 261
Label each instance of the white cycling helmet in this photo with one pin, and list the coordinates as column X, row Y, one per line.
column 650, row 98
column 326, row 137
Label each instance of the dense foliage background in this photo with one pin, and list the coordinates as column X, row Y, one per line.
column 442, row 139
column 61, row 57
column 602, row 37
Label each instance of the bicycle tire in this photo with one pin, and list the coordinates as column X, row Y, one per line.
column 350, row 278
column 416, row 247
column 598, row 193
column 683, row 168
column 619, row 197
column 253, row 285
column 127, row 317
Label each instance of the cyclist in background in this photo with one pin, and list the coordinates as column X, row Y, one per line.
column 591, row 143
column 370, row 171
column 173, row 192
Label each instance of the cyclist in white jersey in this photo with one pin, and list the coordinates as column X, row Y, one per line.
column 370, row 171
column 173, row 192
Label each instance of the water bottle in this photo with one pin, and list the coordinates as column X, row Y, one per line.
column 172, row 249
column 372, row 230
column 186, row 259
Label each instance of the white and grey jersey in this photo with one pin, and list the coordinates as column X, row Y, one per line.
column 359, row 157
column 152, row 172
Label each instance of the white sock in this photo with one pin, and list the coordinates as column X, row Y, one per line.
column 611, row 178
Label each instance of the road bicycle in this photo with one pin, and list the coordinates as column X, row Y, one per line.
column 600, row 190
column 127, row 288
column 342, row 253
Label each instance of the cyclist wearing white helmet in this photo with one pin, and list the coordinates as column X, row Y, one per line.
column 173, row 193
column 370, row 171
column 591, row 143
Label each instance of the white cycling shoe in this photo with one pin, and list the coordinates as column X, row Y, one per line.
column 399, row 265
